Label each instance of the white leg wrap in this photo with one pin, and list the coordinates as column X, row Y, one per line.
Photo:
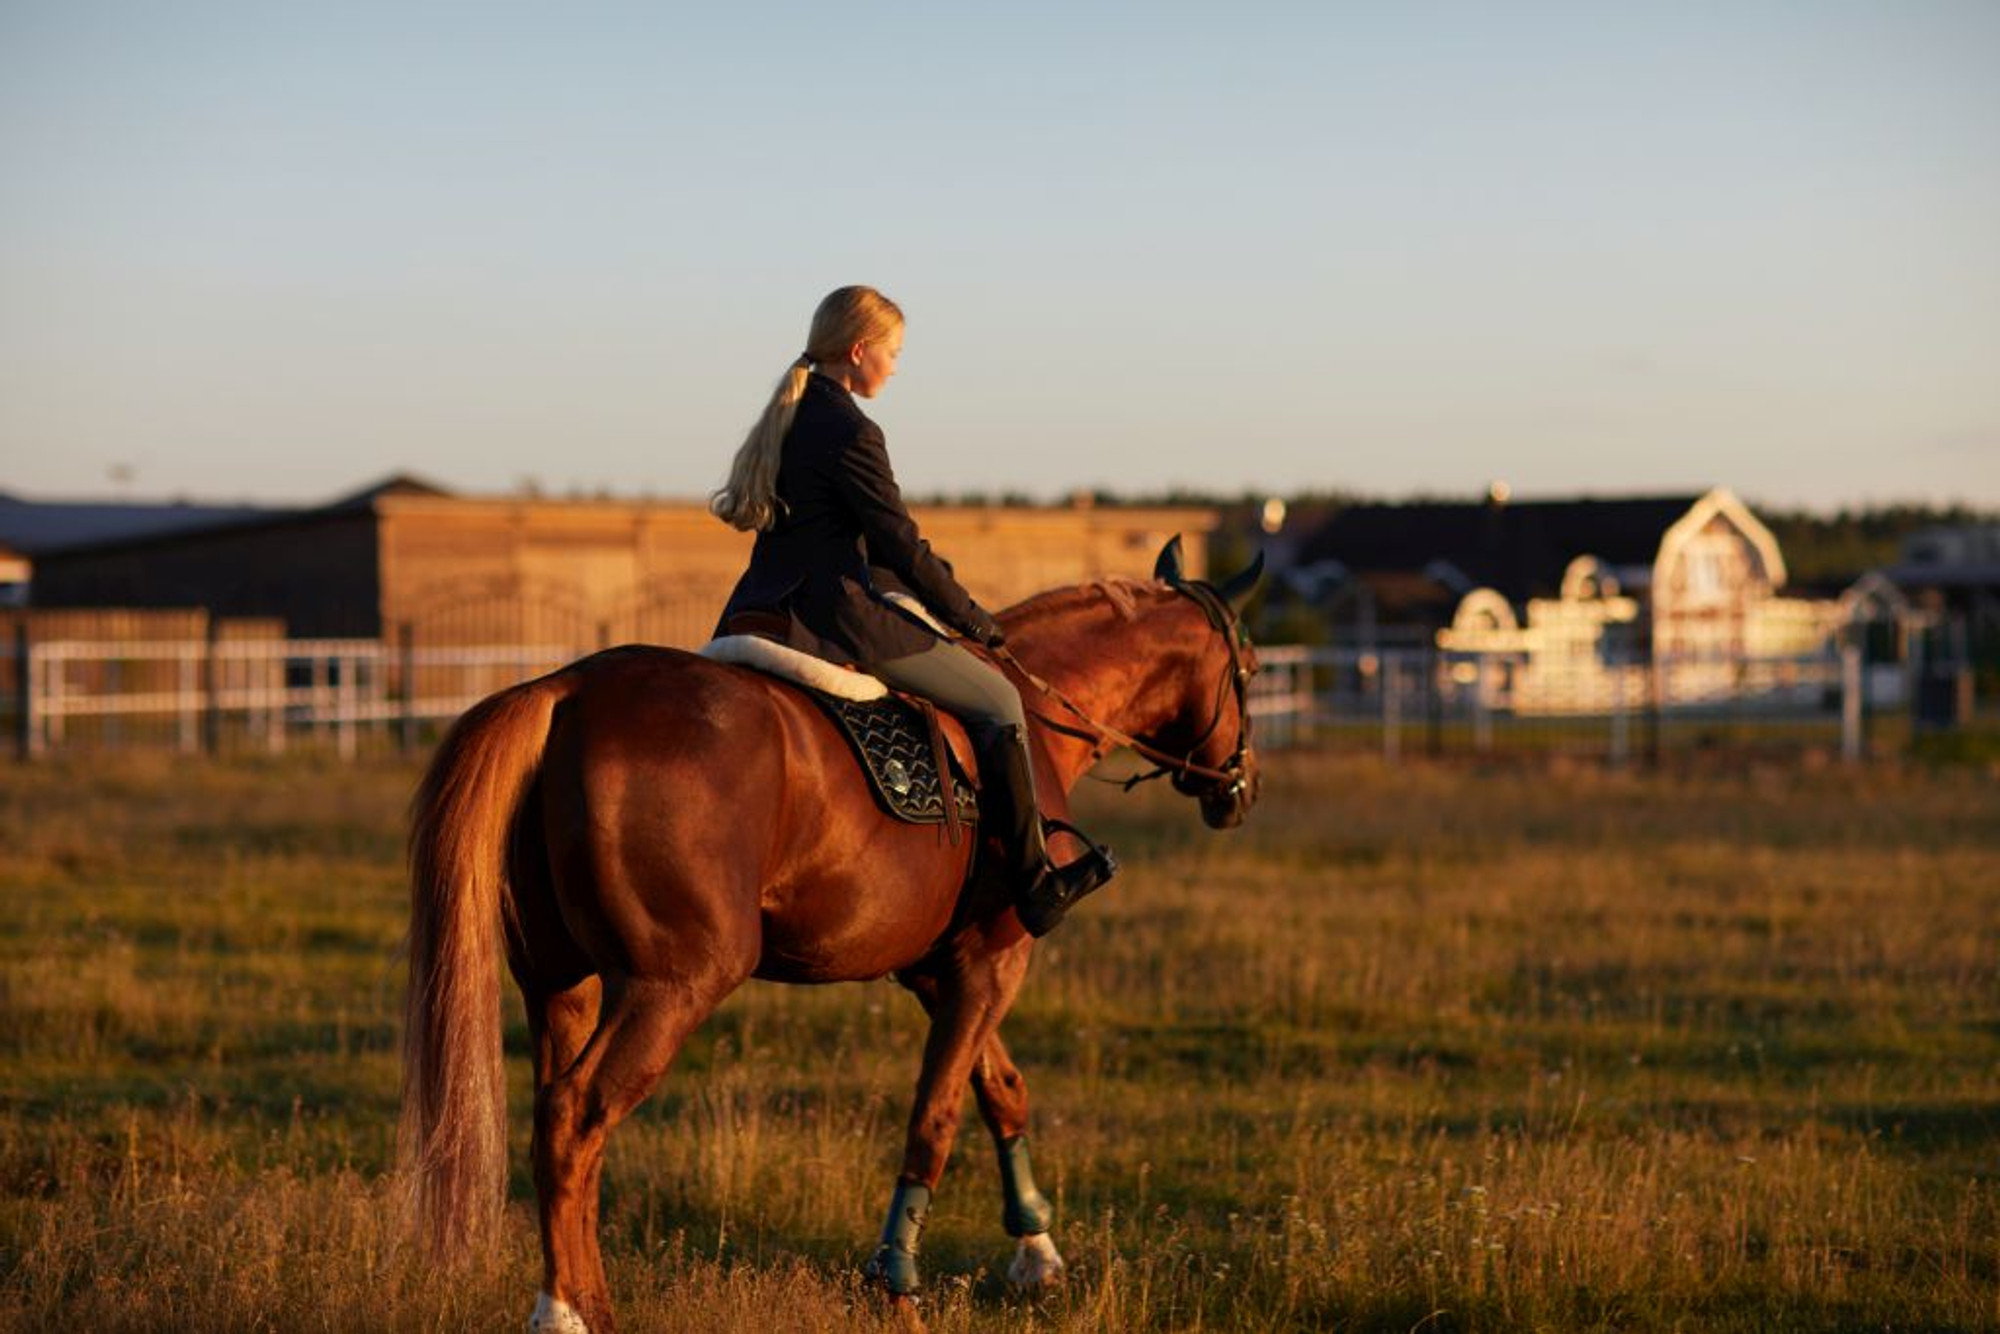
column 1036, row 1262
column 554, row 1317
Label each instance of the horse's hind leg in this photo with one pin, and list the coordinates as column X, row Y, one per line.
column 643, row 1025
column 560, row 1022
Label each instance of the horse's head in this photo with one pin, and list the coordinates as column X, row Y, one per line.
column 1213, row 730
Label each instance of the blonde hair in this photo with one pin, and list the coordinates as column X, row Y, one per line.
column 848, row 315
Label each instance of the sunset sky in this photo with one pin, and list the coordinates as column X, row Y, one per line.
column 273, row 251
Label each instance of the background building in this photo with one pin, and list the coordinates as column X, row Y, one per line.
column 14, row 569
column 406, row 558
column 1569, row 603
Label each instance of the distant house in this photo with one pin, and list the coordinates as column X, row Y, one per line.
column 404, row 557
column 1567, row 602
column 1404, row 570
column 1952, row 576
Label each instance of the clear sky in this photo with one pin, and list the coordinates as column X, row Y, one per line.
column 274, row 250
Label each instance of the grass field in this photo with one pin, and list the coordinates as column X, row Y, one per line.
column 1428, row 1047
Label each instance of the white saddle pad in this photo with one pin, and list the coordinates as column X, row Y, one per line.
column 766, row 656
column 792, row 665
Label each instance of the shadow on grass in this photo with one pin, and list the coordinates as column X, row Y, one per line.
column 1924, row 1128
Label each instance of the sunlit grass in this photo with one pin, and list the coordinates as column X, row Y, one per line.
column 1538, row 1047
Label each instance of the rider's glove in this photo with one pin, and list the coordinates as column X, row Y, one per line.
column 981, row 628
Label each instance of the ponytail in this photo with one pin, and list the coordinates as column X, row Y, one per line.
column 749, row 499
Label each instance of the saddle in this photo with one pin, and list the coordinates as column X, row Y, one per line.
column 904, row 745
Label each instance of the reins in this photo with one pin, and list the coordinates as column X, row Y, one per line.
column 1105, row 732
column 1100, row 733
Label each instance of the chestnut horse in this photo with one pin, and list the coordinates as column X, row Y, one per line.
column 647, row 829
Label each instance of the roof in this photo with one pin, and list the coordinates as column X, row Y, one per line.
column 41, row 527
column 1912, row 576
column 35, row 527
column 405, row 493
column 395, row 484
column 1518, row 548
column 1407, row 595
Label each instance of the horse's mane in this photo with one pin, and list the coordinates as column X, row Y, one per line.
column 1120, row 592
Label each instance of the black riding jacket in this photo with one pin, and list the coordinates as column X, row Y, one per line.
column 839, row 512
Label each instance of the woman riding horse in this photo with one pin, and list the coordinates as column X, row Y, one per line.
column 813, row 481
column 648, row 829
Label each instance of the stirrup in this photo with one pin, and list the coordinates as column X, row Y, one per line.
column 1056, row 889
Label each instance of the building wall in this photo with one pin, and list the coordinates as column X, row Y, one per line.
column 568, row 575
column 315, row 572
column 15, row 570
column 581, row 574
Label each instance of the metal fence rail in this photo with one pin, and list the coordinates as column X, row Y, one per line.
column 1418, row 700
column 266, row 693
column 270, row 694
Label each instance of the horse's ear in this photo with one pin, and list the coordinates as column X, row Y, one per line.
column 1237, row 591
column 1168, row 566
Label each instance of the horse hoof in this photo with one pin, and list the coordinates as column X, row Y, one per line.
column 893, row 1270
column 1037, row 1263
column 555, row 1317
column 905, row 1310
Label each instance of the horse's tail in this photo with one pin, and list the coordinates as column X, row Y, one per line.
column 452, row 1142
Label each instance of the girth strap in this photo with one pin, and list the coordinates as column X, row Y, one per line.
column 940, row 756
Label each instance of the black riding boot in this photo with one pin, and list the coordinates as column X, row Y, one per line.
column 1044, row 891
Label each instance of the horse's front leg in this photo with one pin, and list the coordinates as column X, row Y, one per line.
column 1025, row 1211
column 966, row 999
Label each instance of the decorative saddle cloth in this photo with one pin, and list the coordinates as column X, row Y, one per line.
column 900, row 744
column 902, row 753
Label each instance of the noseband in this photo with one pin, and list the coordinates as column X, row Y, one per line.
column 1229, row 781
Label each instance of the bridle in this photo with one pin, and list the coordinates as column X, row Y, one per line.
column 1231, row 780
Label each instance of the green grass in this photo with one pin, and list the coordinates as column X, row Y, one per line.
column 1525, row 1047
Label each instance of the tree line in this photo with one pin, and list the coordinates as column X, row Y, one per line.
column 1825, row 551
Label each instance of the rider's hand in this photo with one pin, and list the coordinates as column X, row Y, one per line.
column 981, row 628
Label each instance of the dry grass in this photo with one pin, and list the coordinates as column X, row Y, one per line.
column 1514, row 1049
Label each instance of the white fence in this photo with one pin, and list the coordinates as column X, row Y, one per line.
column 271, row 694
column 1399, row 699
column 265, row 693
